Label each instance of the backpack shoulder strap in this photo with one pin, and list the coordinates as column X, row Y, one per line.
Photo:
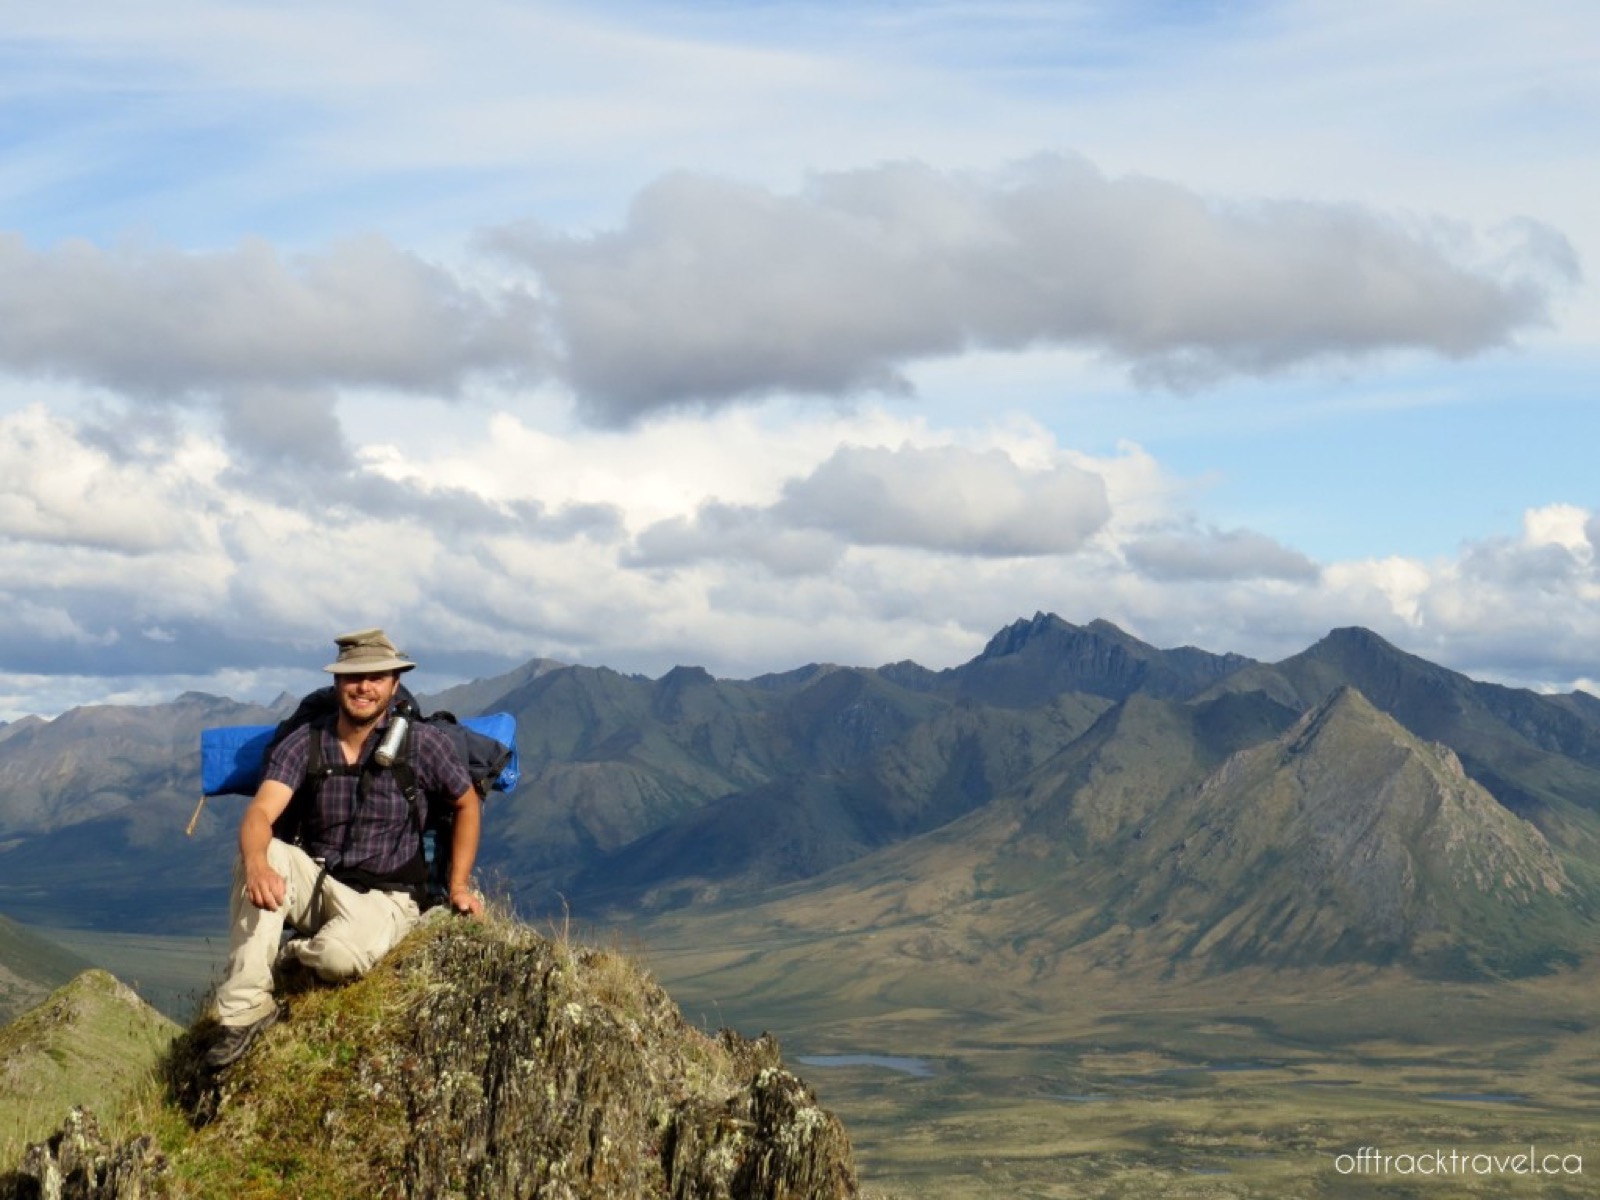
column 406, row 776
column 287, row 828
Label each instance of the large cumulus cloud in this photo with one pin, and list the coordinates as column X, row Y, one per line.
column 949, row 498
column 714, row 290
column 944, row 499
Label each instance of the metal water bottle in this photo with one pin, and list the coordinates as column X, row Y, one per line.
column 389, row 748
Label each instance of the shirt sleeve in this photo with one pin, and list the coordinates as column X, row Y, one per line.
column 439, row 768
column 286, row 763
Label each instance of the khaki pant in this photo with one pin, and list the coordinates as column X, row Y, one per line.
column 344, row 932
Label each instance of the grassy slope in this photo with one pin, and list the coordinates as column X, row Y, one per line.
column 93, row 1042
column 174, row 974
column 31, row 966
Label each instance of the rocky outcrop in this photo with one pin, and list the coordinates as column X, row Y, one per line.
column 78, row 1163
column 481, row 1060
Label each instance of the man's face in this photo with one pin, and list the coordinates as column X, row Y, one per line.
column 365, row 698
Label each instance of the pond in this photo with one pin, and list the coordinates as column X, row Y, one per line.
column 1478, row 1097
column 919, row 1067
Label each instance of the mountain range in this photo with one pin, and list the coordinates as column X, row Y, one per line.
column 1163, row 808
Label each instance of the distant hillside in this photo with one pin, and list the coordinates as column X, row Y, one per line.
column 30, row 968
column 478, row 1060
column 1085, row 768
column 1344, row 839
column 1538, row 755
column 92, row 810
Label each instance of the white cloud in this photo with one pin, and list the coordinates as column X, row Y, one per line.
column 877, row 542
column 57, row 490
column 948, row 499
column 157, row 322
column 1564, row 525
column 716, row 291
column 1391, row 588
column 738, row 534
column 1217, row 554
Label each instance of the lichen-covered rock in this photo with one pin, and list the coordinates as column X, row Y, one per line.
column 769, row 1140
column 77, row 1163
column 539, row 1071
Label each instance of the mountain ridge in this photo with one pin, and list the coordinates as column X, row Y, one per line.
column 642, row 796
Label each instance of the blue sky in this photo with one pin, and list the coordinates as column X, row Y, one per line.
column 748, row 335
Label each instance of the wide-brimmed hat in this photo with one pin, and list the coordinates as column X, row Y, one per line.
column 367, row 651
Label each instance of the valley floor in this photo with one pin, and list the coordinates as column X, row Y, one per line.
column 1364, row 1084
column 1253, row 1085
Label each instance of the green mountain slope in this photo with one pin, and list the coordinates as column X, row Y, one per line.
column 803, row 824
column 1146, row 851
column 91, row 1042
column 1538, row 755
column 1348, row 839
column 30, row 968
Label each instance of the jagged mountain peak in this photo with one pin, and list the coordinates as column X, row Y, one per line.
column 682, row 676
column 1048, row 629
column 1344, row 705
column 1034, row 660
column 1357, row 637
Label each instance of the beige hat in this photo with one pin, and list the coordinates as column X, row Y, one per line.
column 367, row 651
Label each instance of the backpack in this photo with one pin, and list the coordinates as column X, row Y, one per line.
column 233, row 758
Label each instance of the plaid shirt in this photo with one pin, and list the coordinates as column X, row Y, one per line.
column 381, row 835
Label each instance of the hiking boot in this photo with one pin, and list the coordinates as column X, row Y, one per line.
column 234, row 1040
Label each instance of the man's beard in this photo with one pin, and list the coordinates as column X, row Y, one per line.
column 365, row 724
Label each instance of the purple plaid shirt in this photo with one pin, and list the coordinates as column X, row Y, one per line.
column 381, row 835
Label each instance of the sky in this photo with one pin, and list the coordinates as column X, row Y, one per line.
column 750, row 335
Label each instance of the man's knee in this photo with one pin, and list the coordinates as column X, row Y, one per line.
column 351, row 944
column 336, row 957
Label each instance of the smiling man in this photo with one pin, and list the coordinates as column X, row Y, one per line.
column 352, row 882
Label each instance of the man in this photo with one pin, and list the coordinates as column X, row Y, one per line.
column 351, row 888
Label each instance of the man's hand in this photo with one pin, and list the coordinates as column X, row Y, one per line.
column 264, row 886
column 463, row 852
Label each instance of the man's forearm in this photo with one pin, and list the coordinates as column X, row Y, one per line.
column 255, row 834
column 464, row 842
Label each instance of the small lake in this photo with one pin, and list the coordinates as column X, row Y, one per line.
column 1227, row 1066
column 919, row 1067
column 1478, row 1097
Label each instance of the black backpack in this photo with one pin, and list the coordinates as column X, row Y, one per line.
column 428, row 877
